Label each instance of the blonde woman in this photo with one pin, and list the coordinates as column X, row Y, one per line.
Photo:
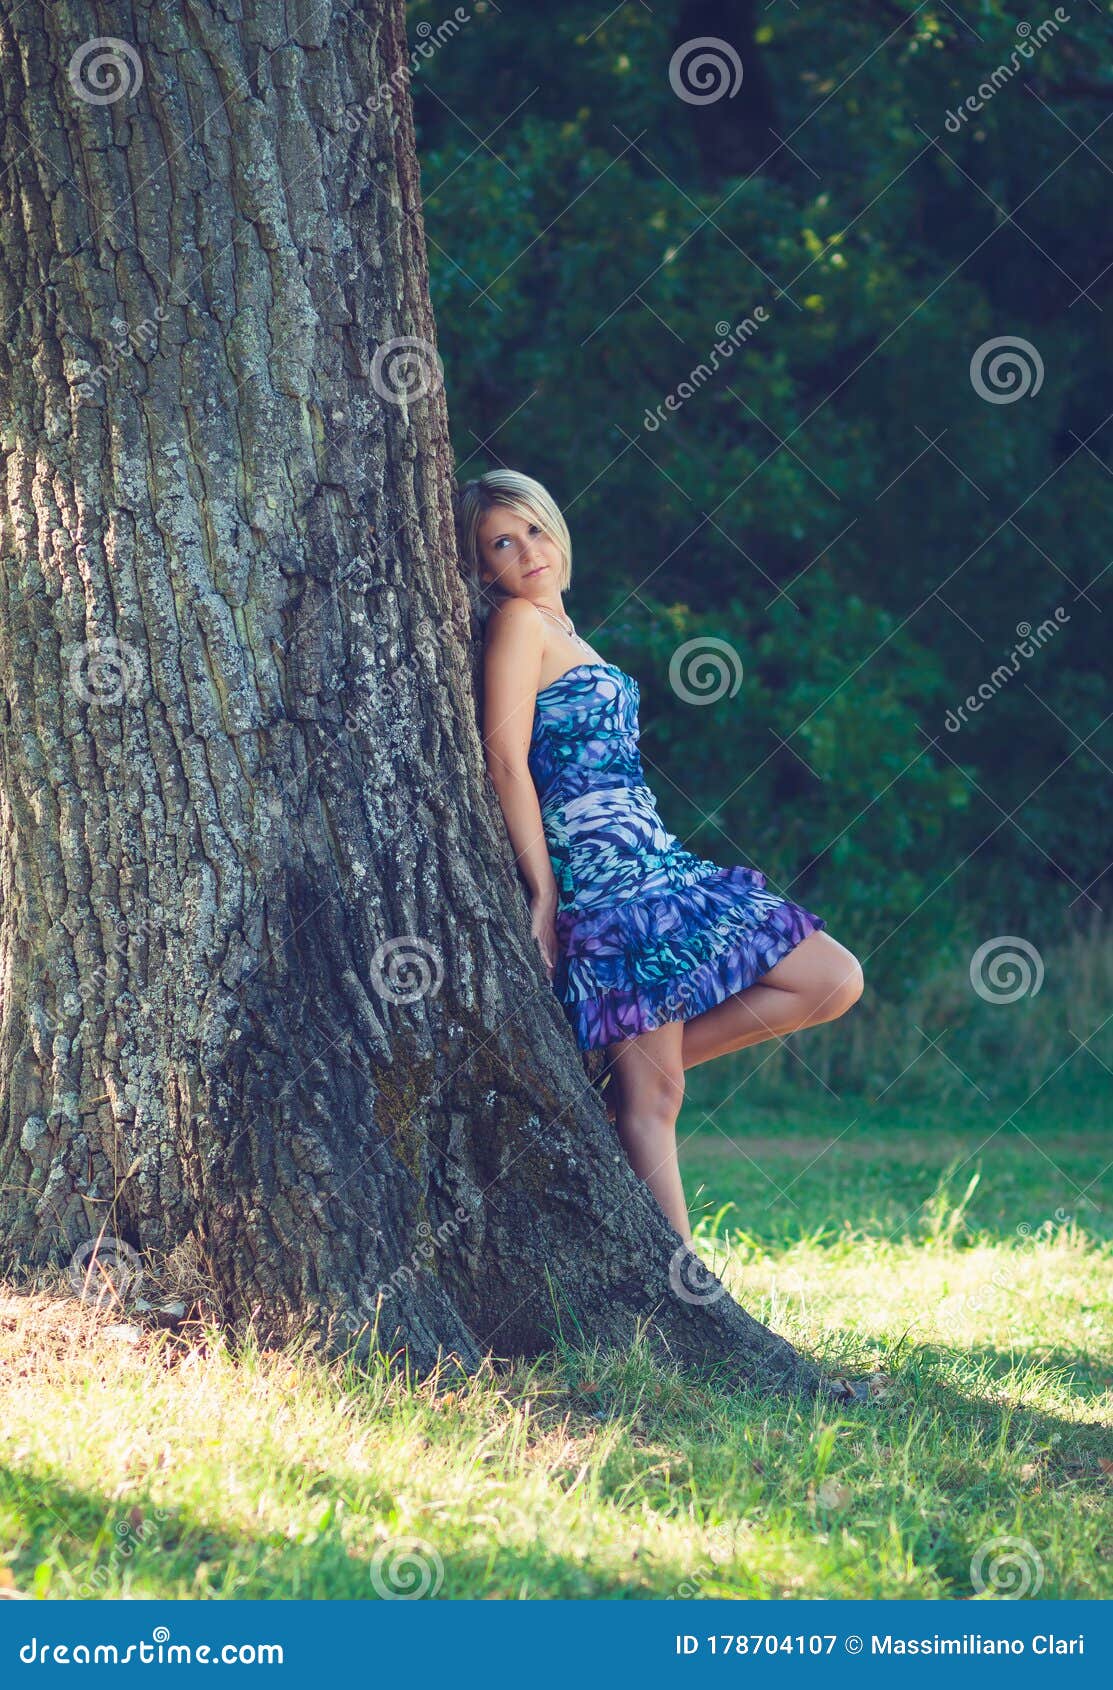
column 660, row 957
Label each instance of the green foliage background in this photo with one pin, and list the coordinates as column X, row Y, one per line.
column 837, row 501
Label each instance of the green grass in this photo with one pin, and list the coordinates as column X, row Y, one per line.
column 964, row 1262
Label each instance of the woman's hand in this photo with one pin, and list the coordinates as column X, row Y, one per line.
column 543, row 908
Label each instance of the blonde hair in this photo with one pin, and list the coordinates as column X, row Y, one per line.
column 526, row 498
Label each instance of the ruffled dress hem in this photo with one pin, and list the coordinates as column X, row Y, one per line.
column 739, row 960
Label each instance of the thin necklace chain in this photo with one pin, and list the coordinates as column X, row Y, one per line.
column 569, row 629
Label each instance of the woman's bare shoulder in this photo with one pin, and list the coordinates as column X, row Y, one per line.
column 515, row 626
column 515, row 612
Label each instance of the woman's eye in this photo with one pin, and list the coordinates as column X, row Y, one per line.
column 497, row 545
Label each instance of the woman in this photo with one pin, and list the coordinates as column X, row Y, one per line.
column 660, row 957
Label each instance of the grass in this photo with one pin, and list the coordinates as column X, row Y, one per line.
column 963, row 1263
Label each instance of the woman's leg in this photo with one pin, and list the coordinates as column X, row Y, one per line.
column 648, row 1077
column 817, row 981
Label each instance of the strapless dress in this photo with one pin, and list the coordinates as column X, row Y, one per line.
column 647, row 932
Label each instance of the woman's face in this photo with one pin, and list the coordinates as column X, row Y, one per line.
column 517, row 556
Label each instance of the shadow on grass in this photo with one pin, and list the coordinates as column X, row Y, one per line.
column 1087, row 1377
column 925, row 1381
column 73, row 1528
column 171, row 1551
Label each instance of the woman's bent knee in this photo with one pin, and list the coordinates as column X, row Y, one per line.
column 850, row 987
column 839, row 991
column 655, row 1096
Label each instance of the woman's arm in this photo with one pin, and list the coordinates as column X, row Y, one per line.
column 512, row 668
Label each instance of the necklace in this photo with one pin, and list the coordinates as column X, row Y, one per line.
column 568, row 626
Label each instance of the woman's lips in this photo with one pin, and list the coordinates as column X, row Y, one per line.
column 537, row 571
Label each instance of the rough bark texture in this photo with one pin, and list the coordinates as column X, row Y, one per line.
column 238, row 748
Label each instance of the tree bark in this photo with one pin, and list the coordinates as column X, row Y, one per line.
column 267, row 985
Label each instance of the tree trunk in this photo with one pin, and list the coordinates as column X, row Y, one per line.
column 266, row 978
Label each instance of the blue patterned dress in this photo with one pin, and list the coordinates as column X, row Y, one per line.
column 646, row 931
